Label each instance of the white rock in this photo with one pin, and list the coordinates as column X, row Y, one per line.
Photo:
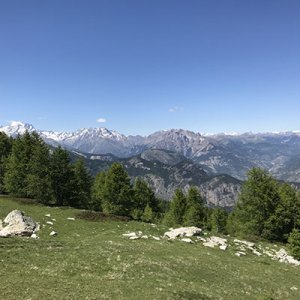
column 48, row 215
column 187, row 240
column 283, row 256
column 215, row 241
column 53, row 233
column 134, row 237
column 130, row 234
column 144, row 236
column 34, row 236
column 71, row 219
column 293, row 288
column 246, row 243
column 54, row 220
column 183, row 232
column 156, row 238
column 256, row 252
column 240, row 254
column 209, row 244
column 49, row 223
column 17, row 224
column 223, row 247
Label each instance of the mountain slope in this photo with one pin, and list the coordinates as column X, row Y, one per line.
column 216, row 154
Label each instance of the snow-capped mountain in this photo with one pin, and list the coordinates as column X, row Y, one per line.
column 232, row 154
column 16, row 127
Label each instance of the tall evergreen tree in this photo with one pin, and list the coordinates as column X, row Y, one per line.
column 257, row 203
column 5, row 150
column 194, row 215
column 143, row 197
column 218, row 220
column 175, row 215
column 61, row 176
column 81, row 186
column 38, row 182
column 18, row 165
column 118, row 192
column 98, row 191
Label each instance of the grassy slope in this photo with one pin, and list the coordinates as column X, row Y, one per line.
column 92, row 260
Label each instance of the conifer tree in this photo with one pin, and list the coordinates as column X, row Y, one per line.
column 194, row 215
column 175, row 215
column 81, row 186
column 5, row 150
column 98, row 191
column 61, row 176
column 117, row 192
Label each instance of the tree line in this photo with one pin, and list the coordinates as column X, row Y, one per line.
column 266, row 208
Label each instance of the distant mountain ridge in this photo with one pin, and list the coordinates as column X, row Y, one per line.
column 232, row 154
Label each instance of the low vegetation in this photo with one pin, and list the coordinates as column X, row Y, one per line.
column 93, row 260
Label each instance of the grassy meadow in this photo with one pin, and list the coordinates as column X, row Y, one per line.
column 92, row 260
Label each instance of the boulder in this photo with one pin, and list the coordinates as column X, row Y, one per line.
column 53, row 233
column 283, row 256
column 183, row 232
column 215, row 241
column 17, row 224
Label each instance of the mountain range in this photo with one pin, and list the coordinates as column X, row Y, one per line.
column 232, row 154
column 217, row 163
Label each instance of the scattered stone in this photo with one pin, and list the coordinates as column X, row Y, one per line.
column 53, row 233
column 17, row 224
column 182, row 232
column 293, row 288
column 187, row 240
column 49, row 223
column 34, row 236
column 134, row 237
column 48, row 215
column 54, row 220
column 71, row 219
column 215, row 241
column 144, row 236
column 240, row 254
column 255, row 252
column 245, row 243
column 283, row 256
column 223, row 247
column 156, row 238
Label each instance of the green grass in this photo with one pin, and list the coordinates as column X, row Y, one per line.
column 92, row 260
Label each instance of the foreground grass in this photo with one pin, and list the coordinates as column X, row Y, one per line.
column 92, row 260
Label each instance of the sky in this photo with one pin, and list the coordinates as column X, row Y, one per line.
column 139, row 66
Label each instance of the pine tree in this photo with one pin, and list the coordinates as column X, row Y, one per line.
column 98, row 191
column 61, row 176
column 194, row 215
column 5, row 150
column 218, row 220
column 81, row 186
column 148, row 215
column 143, row 196
column 175, row 215
column 38, row 182
column 118, row 192
column 17, row 167
column 257, row 203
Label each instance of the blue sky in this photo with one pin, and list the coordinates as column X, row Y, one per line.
column 204, row 65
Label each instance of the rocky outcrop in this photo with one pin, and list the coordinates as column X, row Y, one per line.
column 183, row 232
column 17, row 224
